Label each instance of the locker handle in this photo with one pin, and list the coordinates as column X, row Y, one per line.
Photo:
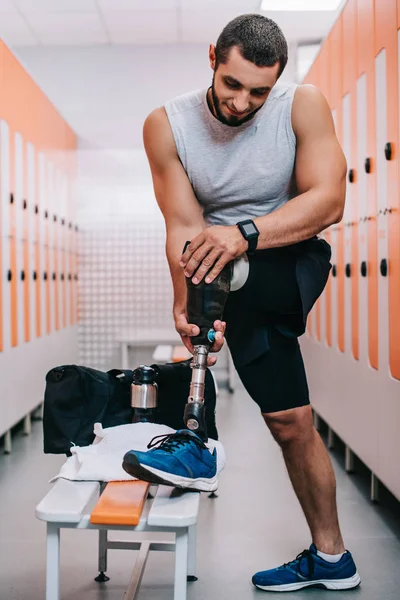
column 34, row 276
column 348, row 270
column 334, row 270
column 36, row 209
column 389, row 151
column 24, row 204
column 45, row 276
column 54, row 277
column 69, row 277
column 76, row 277
column 367, row 165
column 11, row 198
column 70, row 225
column 352, row 175
column 9, row 275
column 62, row 221
column 384, row 267
column 46, row 214
column 62, row 276
column 55, row 218
column 364, row 269
column 22, row 275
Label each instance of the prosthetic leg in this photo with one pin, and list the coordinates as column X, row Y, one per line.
column 205, row 304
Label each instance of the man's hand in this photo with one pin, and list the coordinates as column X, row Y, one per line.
column 211, row 250
column 186, row 330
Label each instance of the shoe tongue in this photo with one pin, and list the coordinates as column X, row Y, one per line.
column 313, row 549
column 188, row 433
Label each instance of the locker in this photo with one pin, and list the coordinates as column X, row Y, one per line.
column 64, row 225
column 13, row 265
column 362, row 266
column 5, row 234
column 347, row 225
column 332, row 304
column 53, row 267
column 382, row 219
column 31, row 197
column 19, row 234
column 25, row 272
column 335, row 93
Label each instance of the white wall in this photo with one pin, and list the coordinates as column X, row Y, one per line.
column 105, row 93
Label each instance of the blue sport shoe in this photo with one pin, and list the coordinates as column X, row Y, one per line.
column 307, row 570
column 179, row 459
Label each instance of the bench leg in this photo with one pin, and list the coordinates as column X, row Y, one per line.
column 53, row 562
column 103, row 539
column 181, row 563
column 191, row 570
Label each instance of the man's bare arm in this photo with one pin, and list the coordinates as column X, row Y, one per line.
column 182, row 213
column 320, row 176
column 175, row 197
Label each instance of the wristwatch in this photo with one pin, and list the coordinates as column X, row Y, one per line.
column 250, row 233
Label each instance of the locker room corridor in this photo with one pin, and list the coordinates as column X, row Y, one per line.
column 96, row 196
column 254, row 523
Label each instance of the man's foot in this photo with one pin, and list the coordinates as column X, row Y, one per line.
column 178, row 459
column 308, row 569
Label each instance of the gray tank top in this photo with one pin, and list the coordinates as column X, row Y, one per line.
column 236, row 172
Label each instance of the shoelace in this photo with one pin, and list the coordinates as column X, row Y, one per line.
column 172, row 441
column 310, row 563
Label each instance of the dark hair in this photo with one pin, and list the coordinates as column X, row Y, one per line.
column 258, row 38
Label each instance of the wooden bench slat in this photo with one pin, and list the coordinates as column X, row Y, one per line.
column 121, row 503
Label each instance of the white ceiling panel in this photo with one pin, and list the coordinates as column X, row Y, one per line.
column 7, row 8
column 28, row 6
column 64, row 28
column 243, row 6
column 127, row 5
column 142, row 27
column 15, row 31
column 198, row 27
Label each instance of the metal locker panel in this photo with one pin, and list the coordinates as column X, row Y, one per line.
column 59, row 244
column 382, row 219
column 31, row 196
column 13, row 267
column 385, row 21
column 328, row 299
column 347, row 227
column 40, row 250
column 53, row 262
column 398, row 14
column 349, row 40
column 19, row 234
column 362, row 266
column 365, row 35
column 5, row 178
column 64, row 229
column 393, row 217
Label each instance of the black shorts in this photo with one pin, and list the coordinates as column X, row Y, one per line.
column 265, row 317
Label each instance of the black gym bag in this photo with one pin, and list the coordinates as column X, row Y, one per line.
column 76, row 397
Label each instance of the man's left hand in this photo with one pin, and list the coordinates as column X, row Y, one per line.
column 211, row 250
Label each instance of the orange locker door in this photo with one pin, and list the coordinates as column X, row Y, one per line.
column 31, row 197
column 387, row 183
column 5, row 183
column 366, row 170
column 25, row 274
column 336, row 231
column 37, row 249
column 349, row 41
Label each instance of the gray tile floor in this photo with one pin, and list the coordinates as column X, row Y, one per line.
column 255, row 523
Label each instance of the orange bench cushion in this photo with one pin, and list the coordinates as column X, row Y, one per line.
column 121, row 503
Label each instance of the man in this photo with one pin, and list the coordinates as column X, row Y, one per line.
column 249, row 148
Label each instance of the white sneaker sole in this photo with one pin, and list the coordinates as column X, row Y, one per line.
column 202, row 484
column 329, row 584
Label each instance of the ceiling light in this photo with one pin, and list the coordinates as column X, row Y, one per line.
column 300, row 5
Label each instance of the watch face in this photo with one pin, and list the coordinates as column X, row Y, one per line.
column 249, row 229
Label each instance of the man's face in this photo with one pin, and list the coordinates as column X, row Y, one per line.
column 239, row 87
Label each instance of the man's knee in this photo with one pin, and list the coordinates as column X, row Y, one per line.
column 288, row 426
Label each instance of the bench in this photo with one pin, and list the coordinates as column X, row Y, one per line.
column 126, row 506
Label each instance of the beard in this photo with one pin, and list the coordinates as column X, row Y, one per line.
column 232, row 121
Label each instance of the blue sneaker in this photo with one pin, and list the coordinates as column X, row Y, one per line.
column 178, row 459
column 307, row 570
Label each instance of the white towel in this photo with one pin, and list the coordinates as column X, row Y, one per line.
column 102, row 460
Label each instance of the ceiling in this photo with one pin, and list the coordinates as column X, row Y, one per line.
column 117, row 22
